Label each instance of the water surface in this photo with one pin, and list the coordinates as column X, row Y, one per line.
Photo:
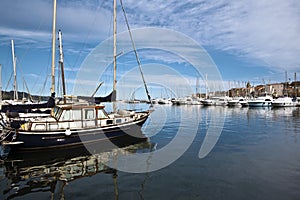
column 256, row 156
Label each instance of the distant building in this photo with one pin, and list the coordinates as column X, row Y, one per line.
column 295, row 89
column 276, row 89
column 241, row 92
column 259, row 90
column 236, row 92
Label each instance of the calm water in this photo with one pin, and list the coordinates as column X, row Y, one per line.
column 256, row 156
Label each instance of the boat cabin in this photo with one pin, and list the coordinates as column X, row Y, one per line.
column 78, row 117
column 78, row 112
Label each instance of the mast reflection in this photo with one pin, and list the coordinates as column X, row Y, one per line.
column 50, row 171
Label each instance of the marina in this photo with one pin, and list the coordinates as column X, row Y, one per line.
column 149, row 100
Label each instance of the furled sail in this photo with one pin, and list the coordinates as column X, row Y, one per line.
column 109, row 98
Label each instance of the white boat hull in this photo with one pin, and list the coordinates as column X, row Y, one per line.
column 283, row 104
column 259, row 104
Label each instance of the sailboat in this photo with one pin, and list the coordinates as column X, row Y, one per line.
column 70, row 124
column 16, row 106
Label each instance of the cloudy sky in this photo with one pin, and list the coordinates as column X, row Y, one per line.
column 248, row 40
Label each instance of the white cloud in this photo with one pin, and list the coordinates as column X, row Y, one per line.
column 264, row 31
column 80, row 22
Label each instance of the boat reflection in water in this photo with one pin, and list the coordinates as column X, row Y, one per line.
column 26, row 173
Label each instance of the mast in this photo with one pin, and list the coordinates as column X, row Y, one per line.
column 29, row 95
column 197, row 86
column 286, row 85
column 53, row 48
column 206, row 92
column 15, row 70
column 229, row 89
column 295, row 80
column 115, row 46
column 0, row 84
column 61, row 63
column 114, row 95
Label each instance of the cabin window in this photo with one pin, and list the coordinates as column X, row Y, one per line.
column 53, row 127
column 118, row 121
column 76, row 114
column 66, row 116
column 101, row 115
column 89, row 114
column 39, row 127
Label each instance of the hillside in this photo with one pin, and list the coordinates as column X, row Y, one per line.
column 10, row 95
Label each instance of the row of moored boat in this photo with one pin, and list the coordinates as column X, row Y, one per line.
column 262, row 101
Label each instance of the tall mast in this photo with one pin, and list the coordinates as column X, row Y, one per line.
column 115, row 46
column 61, row 63
column 197, row 84
column 0, row 83
column 206, row 92
column 53, row 48
column 295, row 80
column 15, row 70
column 286, row 84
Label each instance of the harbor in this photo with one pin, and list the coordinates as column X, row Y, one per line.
column 149, row 100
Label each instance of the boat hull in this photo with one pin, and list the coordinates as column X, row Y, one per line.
column 59, row 139
column 259, row 104
column 207, row 102
column 233, row 103
column 283, row 104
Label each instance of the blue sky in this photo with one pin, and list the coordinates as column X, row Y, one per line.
column 248, row 40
